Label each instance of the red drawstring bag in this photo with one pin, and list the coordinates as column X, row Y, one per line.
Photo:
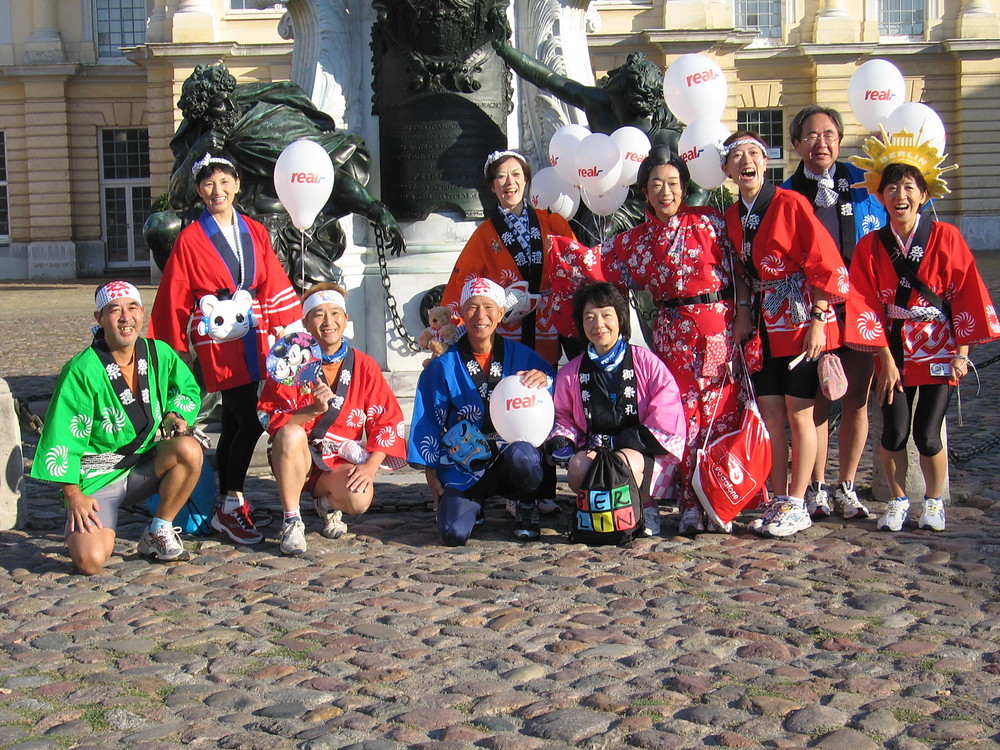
column 732, row 471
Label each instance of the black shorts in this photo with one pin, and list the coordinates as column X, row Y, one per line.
column 775, row 379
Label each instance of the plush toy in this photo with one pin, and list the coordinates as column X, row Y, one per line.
column 439, row 334
column 226, row 319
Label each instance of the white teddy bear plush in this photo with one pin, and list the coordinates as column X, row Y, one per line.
column 226, row 319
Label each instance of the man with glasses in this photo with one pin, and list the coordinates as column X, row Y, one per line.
column 848, row 214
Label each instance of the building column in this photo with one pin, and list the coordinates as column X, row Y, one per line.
column 977, row 20
column 44, row 45
column 50, row 255
column 193, row 22
column 833, row 24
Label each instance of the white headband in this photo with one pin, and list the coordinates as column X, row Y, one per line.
column 115, row 290
column 497, row 156
column 480, row 287
column 724, row 150
column 324, row 297
column 209, row 159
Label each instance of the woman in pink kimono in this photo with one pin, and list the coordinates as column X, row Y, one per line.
column 681, row 254
column 619, row 395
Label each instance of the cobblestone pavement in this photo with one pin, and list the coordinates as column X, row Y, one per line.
column 840, row 637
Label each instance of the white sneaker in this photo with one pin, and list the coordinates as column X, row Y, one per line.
column 790, row 518
column 692, row 522
column 767, row 514
column 353, row 451
column 546, row 506
column 166, row 545
column 818, row 501
column 333, row 520
column 846, row 499
column 932, row 516
column 895, row 515
column 293, row 537
column 651, row 516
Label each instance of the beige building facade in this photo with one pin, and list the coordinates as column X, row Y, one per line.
column 85, row 126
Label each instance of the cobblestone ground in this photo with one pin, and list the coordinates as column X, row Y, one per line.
column 841, row 637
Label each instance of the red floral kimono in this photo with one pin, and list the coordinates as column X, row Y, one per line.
column 364, row 404
column 687, row 257
column 948, row 269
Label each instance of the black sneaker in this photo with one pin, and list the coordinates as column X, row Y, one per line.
column 526, row 526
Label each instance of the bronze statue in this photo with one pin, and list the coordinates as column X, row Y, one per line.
column 631, row 94
column 253, row 123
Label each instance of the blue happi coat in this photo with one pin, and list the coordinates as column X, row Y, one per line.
column 446, row 395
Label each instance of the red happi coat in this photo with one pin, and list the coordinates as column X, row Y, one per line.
column 195, row 269
column 484, row 255
column 949, row 270
column 791, row 240
column 688, row 256
column 370, row 413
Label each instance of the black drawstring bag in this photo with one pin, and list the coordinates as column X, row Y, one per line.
column 608, row 506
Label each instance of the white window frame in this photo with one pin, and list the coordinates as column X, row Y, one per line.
column 762, row 40
column 128, row 184
column 119, row 59
column 903, row 38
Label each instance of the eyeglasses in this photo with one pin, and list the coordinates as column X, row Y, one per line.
column 828, row 138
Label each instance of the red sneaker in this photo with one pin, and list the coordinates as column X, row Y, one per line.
column 237, row 525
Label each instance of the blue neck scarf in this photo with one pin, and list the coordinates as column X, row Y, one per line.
column 330, row 359
column 608, row 362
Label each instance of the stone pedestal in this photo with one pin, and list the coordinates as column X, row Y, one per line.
column 914, row 478
column 12, row 487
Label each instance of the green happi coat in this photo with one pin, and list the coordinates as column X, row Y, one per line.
column 94, row 420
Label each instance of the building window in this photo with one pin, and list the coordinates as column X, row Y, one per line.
column 125, row 195
column 770, row 123
column 4, row 211
column 901, row 17
column 120, row 23
column 764, row 16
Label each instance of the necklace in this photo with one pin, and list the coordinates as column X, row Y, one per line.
column 236, row 245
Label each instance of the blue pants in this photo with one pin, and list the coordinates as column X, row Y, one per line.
column 516, row 473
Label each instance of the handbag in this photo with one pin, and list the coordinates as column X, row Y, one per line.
column 832, row 379
column 608, row 507
column 731, row 471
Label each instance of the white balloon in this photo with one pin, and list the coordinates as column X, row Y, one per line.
column 521, row 413
column 605, row 204
column 697, row 146
column 598, row 163
column 920, row 120
column 562, row 150
column 546, row 187
column 634, row 145
column 567, row 203
column 695, row 88
column 875, row 90
column 303, row 179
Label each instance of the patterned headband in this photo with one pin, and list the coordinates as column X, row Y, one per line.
column 724, row 150
column 497, row 156
column 324, row 297
column 209, row 159
column 480, row 287
column 115, row 290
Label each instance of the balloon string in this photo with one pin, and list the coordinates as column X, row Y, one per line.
column 302, row 262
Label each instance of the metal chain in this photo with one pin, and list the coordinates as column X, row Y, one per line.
column 390, row 299
column 961, row 457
